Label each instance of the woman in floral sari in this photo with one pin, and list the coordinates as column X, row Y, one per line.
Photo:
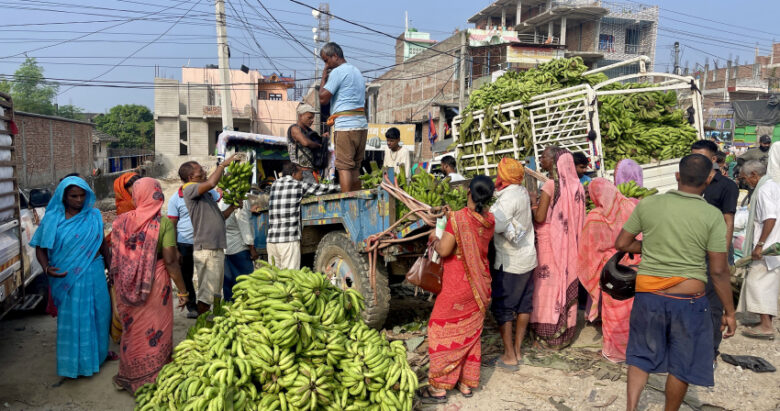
column 145, row 261
column 597, row 246
column 123, row 198
column 455, row 326
column 559, row 218
column 69, row 247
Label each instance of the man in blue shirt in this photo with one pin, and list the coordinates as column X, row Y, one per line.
column 344, row 88
column 180, row 216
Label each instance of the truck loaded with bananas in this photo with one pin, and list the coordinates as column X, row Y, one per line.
column 648, row 117
column 289, row 341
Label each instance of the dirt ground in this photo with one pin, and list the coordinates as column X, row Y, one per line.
column 574, row 379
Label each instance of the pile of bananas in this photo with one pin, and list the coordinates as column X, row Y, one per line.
column 434, row 192
column 289, row 341
column 633, row 190
column 373, row 178
column 643, row 126
column 236, row 182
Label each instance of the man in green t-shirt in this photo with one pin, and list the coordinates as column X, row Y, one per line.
column 670, row 327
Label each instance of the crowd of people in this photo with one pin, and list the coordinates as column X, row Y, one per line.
column 547, row 246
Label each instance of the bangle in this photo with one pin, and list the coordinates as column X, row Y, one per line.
column 46, row 269
column 760, row 243
column 187, row 294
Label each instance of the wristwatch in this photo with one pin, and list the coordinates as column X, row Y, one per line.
column 760, row 244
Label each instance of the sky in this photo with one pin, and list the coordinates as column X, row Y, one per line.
column 107, row 52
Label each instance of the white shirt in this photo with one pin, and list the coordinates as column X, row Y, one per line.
column 455, row 177
column 238, row 229
column 514, row 232
column 768, row 207
column 396, row 158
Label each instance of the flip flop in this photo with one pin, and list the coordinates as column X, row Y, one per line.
column 497, row 362
column 752, row 333
column 428, row 398
column 460, row 390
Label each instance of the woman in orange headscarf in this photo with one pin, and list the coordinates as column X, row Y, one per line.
column 123, row 188
column 597, row 246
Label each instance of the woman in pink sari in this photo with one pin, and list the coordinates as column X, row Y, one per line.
column 144, row 249
column 559, row 218
column 455, row 327
column 597, row 246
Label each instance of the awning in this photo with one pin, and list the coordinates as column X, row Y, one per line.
column 238, row 137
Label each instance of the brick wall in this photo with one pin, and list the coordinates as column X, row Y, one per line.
column 47, row 148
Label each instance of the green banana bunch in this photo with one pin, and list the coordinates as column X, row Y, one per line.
column 372, row 179
column 632, row 190
column 290, row 340
column 235, row 183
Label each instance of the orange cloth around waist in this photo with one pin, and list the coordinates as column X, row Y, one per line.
column 650, row 283
column 360, row 111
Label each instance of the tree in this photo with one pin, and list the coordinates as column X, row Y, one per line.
column 30, row 91
column 70, row 111
column 5, row 86
column 133, row 124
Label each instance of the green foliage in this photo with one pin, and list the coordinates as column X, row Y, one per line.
column 5, row 86
column 70, row 111
column 29, row 90
column 133, row 124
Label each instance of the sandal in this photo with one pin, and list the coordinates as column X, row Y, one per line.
column 753, row 333
column 468, row 394
column 428, row 398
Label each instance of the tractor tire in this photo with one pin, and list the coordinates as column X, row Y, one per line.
column 339, row 259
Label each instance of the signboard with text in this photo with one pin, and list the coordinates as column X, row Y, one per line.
column 379, row 130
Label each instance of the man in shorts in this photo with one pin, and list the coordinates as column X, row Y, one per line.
column 208, row 226
column 670, row 329
column 344, row 88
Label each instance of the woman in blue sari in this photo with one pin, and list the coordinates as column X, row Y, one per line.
column 69, row 246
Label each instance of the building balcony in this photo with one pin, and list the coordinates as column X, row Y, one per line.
column 573, row 10
column 216, row 111
column 631, row 11
column 750, row 85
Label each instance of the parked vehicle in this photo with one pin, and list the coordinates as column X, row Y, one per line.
column 335, row 228
column 569, row 118
column 19, row 217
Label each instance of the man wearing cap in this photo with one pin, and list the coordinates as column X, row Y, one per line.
column 302, row 141
column 760, row 153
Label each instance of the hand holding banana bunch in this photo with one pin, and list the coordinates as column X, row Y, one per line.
column 236, row 182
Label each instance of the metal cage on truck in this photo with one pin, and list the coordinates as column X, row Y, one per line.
column 568, row 116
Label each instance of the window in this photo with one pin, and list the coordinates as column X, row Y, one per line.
column 606, row 42
column 275, row 96
column 262, row 95
column 727, row 125
column 632, row 41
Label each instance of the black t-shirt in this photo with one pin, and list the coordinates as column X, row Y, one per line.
column 722, row 193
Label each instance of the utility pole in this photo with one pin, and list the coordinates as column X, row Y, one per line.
column 462, row 74
column 224, row 67
column 677, row 58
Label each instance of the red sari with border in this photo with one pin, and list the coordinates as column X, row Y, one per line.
column 455, row 327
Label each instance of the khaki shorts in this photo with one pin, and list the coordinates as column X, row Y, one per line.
column 350, row 148
column 210, row 273
column 286, row 256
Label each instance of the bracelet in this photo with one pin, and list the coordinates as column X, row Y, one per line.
column 760, row 243
column 46, row 270
column 187, row 294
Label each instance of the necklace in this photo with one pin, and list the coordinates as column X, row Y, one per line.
column 394, row 156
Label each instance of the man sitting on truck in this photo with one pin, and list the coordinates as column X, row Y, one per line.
column 396, row 156
column 284, row 215
column 303, row 143
column 760, row 153
column 450, row 169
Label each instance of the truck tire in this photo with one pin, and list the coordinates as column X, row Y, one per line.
column 339, row 259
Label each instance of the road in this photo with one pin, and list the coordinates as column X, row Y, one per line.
column 575, row 378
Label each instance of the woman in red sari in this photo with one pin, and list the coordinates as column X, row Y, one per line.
column 597, row 246
column 559, row 218
column 455, row 326
column 144, row 248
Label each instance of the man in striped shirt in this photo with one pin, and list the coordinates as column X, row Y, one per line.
column 284, row 215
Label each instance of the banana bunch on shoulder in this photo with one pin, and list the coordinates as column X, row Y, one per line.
column 633, row 190
column 235, row 183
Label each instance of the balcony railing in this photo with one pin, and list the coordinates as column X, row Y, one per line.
column 632, row 49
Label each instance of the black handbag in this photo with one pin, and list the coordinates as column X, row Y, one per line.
column 618, row 280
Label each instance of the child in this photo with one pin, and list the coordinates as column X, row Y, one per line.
column 581, row 163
